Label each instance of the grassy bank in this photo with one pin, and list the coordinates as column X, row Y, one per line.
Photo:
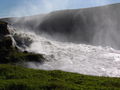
column 19, row 78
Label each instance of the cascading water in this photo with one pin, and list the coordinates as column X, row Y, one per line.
column 80, row 58
column 65, row 39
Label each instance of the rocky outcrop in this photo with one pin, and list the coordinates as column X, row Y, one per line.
column 6, row 39
column 10, row 52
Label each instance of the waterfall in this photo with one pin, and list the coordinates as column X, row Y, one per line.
column 71, row 57
column 84, row 41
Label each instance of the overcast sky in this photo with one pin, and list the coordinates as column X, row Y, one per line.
column 10, row 8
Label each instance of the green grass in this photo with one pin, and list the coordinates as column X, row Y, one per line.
column 19, row 78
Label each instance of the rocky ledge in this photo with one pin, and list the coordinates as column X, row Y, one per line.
column 9, row 50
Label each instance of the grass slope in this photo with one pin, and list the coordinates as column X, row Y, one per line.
column 19, row 78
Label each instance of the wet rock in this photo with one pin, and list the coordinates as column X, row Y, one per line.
column 9, row 42
column 10, row 51
column 22, row 40
column 3, row 28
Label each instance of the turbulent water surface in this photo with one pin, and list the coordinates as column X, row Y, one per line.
column 80, row 58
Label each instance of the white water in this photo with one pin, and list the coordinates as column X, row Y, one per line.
column 80, row 58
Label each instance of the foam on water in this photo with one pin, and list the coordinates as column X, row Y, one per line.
column 80, row 58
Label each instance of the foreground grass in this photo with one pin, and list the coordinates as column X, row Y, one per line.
column 19, row 78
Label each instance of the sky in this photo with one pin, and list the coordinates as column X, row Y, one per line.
column 16, row 8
